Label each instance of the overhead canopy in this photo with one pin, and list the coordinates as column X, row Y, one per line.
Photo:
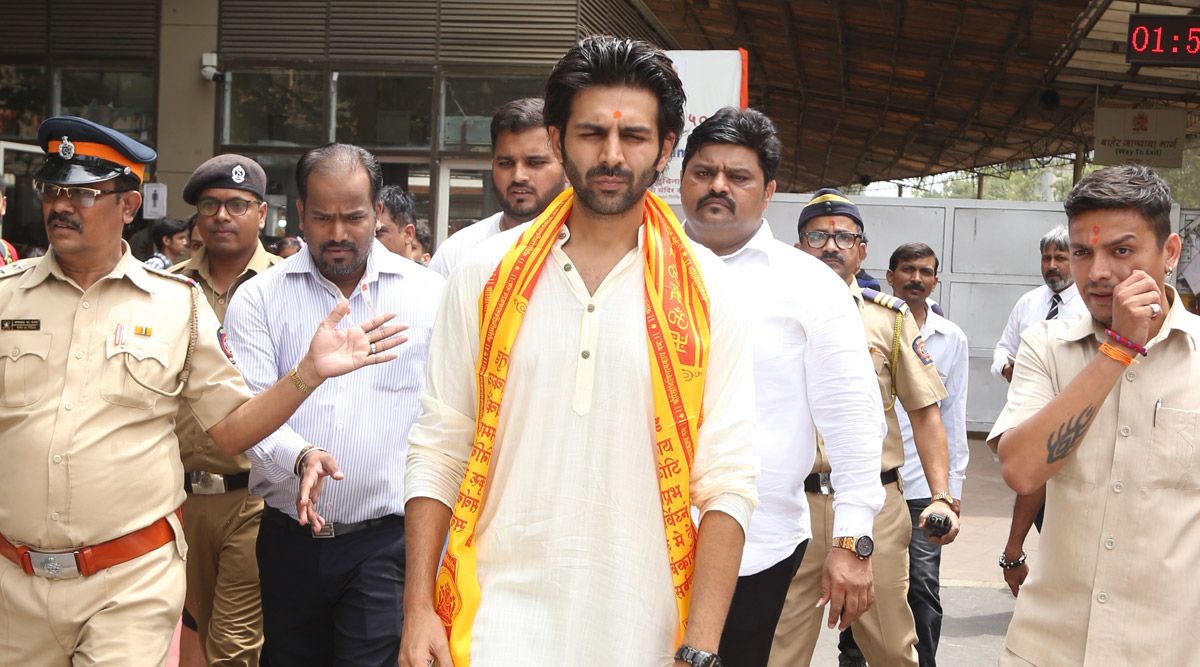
column 887, row 89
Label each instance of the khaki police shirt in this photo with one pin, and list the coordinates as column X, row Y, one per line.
column 89, row 454
column 1115, row 582
column 917, row 382
column 197, row 449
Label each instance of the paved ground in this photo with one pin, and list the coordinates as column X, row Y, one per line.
column 978, row 605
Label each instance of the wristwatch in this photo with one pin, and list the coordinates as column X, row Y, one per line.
column 698, row 658
column 945, row 497
column 862, row 546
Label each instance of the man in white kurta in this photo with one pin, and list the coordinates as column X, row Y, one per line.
column 572, row 556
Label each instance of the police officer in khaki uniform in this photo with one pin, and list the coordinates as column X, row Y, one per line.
column 831, row 229
column 228, row 192
column 98, row 354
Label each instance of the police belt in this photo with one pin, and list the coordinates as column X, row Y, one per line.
column 203, row 483
column 330, row 528
column 819, row 482
column 86, row 561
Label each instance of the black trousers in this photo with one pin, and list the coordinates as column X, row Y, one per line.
column 336, row 601
column 754, row 612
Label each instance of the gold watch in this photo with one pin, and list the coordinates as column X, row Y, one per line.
column 945, row 497
column 862, row 546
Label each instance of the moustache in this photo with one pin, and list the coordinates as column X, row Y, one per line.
column 718, row 196
column 347, row 245
column 832, row 256
column 915, row 286
column 1093, row 284
column 610, row 172
column 59, row 217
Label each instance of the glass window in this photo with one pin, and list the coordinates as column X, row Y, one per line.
column 275, row 108
column 121, row 100
column 468, row 103
column 383, row 110
column 23, row 99
column 472, row 198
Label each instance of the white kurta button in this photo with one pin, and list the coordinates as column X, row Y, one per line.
column 1110, row 544
column 1125, row 431
column 69, row 406
column 86, row 305
column 57, row 458
column 55, row 516
column 78, row 354
column 1102, row 597
column 1130, row 375
column 1118, row 487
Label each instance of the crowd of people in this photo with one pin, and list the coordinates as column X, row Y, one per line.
column 588, row 430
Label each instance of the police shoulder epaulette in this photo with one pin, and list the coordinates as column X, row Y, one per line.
column 885, row 300
column 177, row 277
column 18, row 267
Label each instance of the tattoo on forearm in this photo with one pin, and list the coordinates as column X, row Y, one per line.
column 1060, row 444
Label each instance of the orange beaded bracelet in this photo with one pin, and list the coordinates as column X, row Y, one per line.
column 1116, row 354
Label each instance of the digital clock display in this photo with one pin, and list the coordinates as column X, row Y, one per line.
column 1163, row 40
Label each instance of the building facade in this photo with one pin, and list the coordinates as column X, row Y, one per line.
column 414, row 81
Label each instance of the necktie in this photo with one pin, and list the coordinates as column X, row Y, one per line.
column 1054, row 301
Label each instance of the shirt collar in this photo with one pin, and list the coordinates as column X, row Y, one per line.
column 127, row 267
column 760, row 242
column 197, row 266
column 381, row 260
column 1177, row 319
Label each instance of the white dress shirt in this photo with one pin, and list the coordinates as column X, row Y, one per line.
column 571, row 547
column 1030, row 309
column 361, row 418
column 458, row 245
column 947, row 345
column 811, row 368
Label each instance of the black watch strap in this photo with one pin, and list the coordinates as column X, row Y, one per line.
column 698, row 658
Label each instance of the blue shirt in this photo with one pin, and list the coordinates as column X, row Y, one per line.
column 361, row 418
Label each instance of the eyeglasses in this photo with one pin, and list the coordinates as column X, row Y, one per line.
column 235, row 206
column 843, row 240
column 78, row 196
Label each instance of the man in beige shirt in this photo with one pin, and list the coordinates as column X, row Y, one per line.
column 99, row 353
column 228, row 192
column 831, row 229
column 1113, row 443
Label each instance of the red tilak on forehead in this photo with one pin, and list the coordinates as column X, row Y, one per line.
column 1095, row 234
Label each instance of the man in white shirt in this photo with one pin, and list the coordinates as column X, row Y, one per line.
column 811, row 369
column 912, row 275
column 526, row 175
column 579, row 548
column 1058, row 299
column 332, row 573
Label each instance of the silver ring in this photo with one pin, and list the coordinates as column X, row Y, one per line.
column 1155, row 309
column 373, row 350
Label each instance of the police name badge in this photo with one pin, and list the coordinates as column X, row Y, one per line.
column 20, row 325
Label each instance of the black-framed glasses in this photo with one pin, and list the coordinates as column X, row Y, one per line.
column 843, row 240
column 234, row 206
column 79, row 197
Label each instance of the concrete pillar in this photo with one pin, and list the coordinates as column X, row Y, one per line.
column 187, row 102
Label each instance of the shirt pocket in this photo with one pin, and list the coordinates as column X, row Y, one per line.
column 132, row 367
column 23, row 363
column 1173, row 458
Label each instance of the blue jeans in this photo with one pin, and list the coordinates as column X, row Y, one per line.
column 924, row 587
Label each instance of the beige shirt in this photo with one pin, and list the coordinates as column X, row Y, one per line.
column 571, row 548
column 917, row 382
column 1115, row 580
column 197, row 449
column 89, row 454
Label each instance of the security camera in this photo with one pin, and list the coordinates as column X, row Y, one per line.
column 208, row 67
column 209, row 72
